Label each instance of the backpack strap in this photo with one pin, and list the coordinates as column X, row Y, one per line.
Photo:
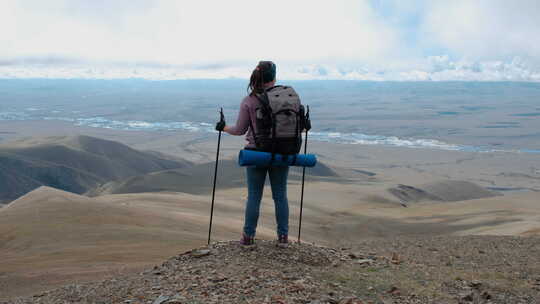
column 253, row 133
column 273, row 138
column 265, row 102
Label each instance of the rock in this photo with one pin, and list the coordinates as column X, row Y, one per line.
column 467, row 296
column 475, row 284
column 394, row 291
column 296, row 287
column 217, row 279
column 351, row 301
column 329, row 299
column 278, row 299
column 161, row 299
column 364, row 262
column 197, row 253
column 356, row 255
column 396, row 259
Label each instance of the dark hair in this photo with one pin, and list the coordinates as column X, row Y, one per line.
column 264, row 72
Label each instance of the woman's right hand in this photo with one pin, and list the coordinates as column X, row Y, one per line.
column 220, row 125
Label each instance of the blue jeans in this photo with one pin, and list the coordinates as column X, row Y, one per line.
column 255, row 182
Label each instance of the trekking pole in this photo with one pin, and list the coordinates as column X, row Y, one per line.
column 222, row 118
column 308, row 127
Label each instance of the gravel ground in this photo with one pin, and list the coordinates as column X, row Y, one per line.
column 474, row 269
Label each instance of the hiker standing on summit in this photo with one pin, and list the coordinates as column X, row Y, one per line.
column 250, row 120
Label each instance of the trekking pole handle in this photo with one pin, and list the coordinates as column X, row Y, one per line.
column 221, row 116
column 308, row 120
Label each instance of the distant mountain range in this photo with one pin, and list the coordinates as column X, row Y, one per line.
column 74, row 164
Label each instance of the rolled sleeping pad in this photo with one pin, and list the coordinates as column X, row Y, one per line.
column 258, row 158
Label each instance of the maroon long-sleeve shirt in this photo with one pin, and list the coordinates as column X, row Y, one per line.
column 247, row 114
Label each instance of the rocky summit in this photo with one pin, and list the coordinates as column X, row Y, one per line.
column 477, row 269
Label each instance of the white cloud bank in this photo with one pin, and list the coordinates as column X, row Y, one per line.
column 342, row 39
column 437, row 68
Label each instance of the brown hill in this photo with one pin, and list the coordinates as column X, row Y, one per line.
column 441, row 191
column 50, row 237
column 74, row 164
column 198, row 179
column 72, row 235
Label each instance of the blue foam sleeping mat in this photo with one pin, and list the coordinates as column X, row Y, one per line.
column 258, row 158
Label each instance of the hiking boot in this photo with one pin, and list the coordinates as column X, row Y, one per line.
column 247, row 240
column 283, row 241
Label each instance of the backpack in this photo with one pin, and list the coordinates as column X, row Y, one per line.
column 280, row 120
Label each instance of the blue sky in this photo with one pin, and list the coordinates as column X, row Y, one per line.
column 481, row 40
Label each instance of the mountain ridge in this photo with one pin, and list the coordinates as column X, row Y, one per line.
column 76, row 164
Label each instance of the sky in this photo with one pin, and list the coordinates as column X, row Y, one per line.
column 431, row 40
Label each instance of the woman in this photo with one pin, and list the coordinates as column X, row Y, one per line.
column 263, row 77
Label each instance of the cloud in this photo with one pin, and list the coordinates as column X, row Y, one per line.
column 179, row 32
column 434, row 68
column 341, row 39
column 484, row 29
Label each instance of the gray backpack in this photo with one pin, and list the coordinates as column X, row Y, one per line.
column 280, row 120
